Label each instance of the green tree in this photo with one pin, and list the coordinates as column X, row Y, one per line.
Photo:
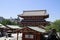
column 8, row 22
column 55, row 25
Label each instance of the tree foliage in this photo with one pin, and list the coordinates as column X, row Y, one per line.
column 8, row 22
column 55, row 25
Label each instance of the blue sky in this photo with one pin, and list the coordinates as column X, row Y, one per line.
column 11, row 8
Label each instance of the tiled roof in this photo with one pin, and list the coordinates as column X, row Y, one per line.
column 38, row 29
column 14, row 26
column 2, row 26
column 34, row 13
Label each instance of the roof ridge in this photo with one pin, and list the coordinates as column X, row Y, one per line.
column 33, row 10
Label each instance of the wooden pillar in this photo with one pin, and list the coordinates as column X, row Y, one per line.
column 17, row 36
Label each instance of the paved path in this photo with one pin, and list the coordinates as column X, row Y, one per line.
column 14, row 37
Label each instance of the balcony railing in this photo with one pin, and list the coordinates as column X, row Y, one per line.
column 33, row 21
